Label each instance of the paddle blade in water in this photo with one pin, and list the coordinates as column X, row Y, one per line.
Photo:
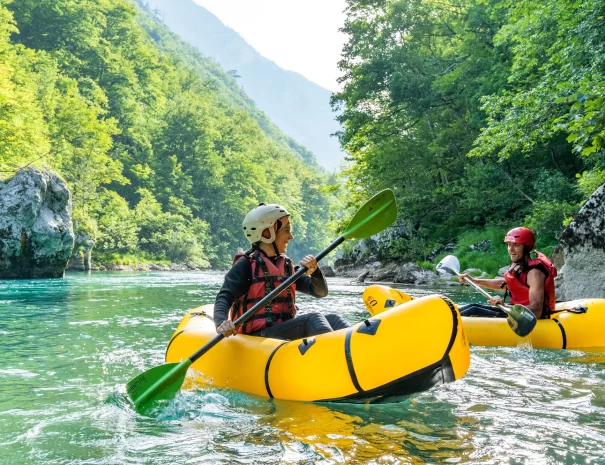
column 377, row 213
column 521, row 320
column 158, row 383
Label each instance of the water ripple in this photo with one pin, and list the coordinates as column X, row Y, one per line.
column 70, row 345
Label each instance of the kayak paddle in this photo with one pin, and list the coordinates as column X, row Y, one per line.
column 164, row 381
column 520, row 318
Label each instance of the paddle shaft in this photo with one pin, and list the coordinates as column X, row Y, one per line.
column 485, row 293
column 278, row 290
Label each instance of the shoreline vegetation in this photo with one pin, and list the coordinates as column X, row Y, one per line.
column 482, row 252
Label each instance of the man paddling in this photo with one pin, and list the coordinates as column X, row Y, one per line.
column 529, row 281
column 261, row 269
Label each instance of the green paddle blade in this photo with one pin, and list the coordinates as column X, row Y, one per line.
column 157, row 383
column 377, row 213
column 521, row 320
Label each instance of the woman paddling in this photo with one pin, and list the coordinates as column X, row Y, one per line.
column 261, row 269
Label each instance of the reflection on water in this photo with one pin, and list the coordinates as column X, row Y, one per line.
column 70, row 345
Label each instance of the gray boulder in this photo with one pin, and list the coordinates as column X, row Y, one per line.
column 81, row 255
column 362, row 277
column 410, row 273
column 387, row 272
column 36, row 233
column 327, row 271
column 582, row 250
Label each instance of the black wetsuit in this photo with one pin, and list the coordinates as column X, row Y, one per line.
column 237, row 282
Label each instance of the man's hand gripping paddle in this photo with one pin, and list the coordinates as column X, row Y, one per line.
column 520, row 319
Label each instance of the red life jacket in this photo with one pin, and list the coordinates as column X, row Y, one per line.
column 516, row 282
column 266, row 276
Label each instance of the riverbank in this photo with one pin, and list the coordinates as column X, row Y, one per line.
column 141, row 267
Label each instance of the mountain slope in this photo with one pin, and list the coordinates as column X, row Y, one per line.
column 163, row 153
column 298, row 106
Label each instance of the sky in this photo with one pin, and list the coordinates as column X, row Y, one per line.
column 298, row 35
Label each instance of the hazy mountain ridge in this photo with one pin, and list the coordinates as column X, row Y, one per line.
column 213, row 74
column 298, row 106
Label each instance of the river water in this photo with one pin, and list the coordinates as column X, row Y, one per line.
column 68, row 347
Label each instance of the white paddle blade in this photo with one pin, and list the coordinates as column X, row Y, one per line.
column 449, row 265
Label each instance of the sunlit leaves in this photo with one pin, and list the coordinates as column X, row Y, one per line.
column 557, row 80
column 520, row 84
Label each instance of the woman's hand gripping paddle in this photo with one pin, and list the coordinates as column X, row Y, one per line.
column 164, row 381
column 520, row 319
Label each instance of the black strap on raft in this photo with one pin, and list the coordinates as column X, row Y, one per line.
column 563, row 335
column 578, row 309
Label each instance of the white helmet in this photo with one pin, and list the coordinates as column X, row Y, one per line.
column 261, row 218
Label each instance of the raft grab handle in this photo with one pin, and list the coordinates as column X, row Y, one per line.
column 369, row 327
column 306, row 345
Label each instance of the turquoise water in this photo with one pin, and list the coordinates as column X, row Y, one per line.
column 69, row 346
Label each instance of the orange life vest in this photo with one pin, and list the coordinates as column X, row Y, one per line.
column 266, row 276
column 516, row 282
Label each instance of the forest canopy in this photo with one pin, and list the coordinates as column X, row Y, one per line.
column 163, row 152
column 480, row 113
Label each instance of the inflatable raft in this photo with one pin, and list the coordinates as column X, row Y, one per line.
column 578, row 324
column 383, row 359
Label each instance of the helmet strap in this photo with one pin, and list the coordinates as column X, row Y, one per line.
column 527, row 250
column 275, row 248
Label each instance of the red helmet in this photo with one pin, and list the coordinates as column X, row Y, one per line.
column 521, row 236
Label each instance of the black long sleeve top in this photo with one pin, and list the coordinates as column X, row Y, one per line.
column 239, row 278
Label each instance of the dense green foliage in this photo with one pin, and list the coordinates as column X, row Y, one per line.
column 163, row 152
column 480, row 113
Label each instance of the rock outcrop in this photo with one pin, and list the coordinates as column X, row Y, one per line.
column 410, row 273
column 36, row 233
column 582, row 250
column 407, row 273
column 327, row 271
column 81, row 257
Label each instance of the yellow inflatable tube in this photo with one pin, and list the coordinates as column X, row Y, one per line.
column 578, row 324
column 383, row 359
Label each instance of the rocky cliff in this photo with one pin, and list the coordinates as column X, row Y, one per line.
column 36, row 234
column 582, row 251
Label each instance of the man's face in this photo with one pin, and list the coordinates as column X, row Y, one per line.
column 284, row 235
column 515, row 251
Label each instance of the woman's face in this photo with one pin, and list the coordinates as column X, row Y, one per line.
column 284, row 235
